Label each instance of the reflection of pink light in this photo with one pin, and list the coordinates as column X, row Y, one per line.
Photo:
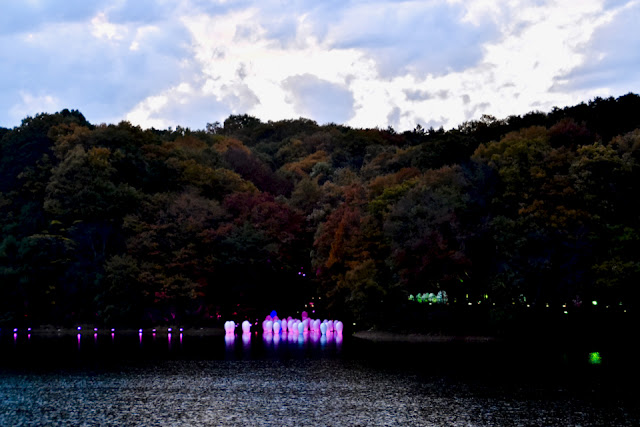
column 112, row 336
column 180, row 339
column 95, row 337
column 28, row 336
column 140, row 337
column 15, row 336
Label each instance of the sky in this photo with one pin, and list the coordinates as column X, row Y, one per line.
column 373, row 63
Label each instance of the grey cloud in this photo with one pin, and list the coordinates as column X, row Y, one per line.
column 432, row 40
column 424, row 95
column 472, row 113
column 613, row 50
column 319, row 99
column 240, row 98
column 101, row 78
column 394, row 116
column 466, row 99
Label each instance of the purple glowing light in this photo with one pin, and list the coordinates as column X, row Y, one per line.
column 79, row 328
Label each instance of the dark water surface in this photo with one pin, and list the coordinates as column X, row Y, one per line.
column 125, row 380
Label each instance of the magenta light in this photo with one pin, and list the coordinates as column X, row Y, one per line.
column 113, row 330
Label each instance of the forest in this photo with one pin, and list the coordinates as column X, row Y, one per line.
column 110, row 224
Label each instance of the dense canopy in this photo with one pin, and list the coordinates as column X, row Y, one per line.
column 113, row 224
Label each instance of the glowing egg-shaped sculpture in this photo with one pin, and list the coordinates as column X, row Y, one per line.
column 269, row 327
column 339, row 327
column 323, row 328
column 276, row 327
column 284, row 325
column 273, row 314
column 330, row 326
column 291, row 324
column 304, row 315
column 229, row 326
column 316, row 325
column 301, row 327
column 246, row 327
column 305, row 324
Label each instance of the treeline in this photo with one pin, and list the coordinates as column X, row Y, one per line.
column 112, row 224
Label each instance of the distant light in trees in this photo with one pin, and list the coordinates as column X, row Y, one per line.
column 595, row 358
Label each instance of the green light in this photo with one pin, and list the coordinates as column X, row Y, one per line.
column 594, row 302
column 595, row 358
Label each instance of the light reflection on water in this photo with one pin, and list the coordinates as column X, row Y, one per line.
column 299, row 379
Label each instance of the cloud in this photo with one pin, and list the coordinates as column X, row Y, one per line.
column 319, row 99
column 364, row 64
column 27, row 16
column 613, row 50
column 101, row 68
column 417, row 37
column 181, row 105
column 425, row 95
column 30, row 105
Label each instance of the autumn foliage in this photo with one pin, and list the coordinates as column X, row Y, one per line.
column 113, row 224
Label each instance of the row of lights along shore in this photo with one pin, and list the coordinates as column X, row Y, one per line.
column 96, row 330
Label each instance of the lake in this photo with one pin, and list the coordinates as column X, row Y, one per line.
column 295, row 381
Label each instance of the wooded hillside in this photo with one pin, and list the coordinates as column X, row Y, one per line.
column 112, row 224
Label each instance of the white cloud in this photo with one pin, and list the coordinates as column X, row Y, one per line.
column 31, row 105
column 366, row 64
column 103, row 29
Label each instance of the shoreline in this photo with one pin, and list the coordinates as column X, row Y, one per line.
column 52, row 331
column 392, row 337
